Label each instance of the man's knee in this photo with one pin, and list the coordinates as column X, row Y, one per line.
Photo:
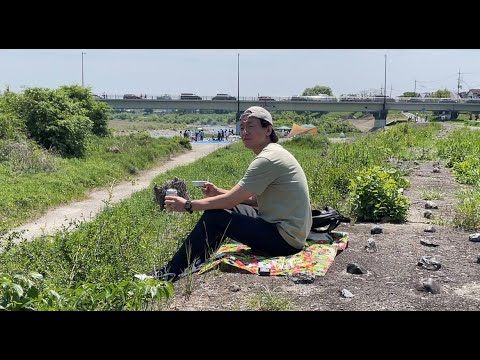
column 215, row 214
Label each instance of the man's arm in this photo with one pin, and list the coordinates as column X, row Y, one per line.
column 252, row 201
column 227, row 200
column 232, row 197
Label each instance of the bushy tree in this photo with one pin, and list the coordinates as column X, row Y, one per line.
column 441, row 93
column 317, row 90
column 55, row 121
column 11, row 126
column 410, row 94
column 98, row 112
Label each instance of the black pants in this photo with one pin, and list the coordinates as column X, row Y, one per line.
column 241, row 224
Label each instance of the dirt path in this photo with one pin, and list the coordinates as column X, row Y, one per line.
column 61, row 216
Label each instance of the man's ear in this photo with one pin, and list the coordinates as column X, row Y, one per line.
column 270, row 129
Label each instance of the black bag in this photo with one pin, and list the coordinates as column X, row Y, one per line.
column 327, row 219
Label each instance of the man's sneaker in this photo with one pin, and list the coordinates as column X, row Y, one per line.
column 163, row 275
column 195, row 266
column 142, row 276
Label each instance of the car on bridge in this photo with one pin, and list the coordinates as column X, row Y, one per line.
column 416, row 100
column 164, row 97
column 324, row 98
column 381, row 97
column 224, row 97
column 131, row 96
column 265, row 98
column 189, row 96
column 473, row 101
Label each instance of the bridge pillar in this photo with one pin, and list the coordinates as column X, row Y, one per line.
column 380, row 119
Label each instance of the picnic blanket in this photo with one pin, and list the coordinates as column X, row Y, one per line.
column 314, row 260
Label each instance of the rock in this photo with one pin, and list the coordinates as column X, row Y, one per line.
column 160, row 191
column 234, row 288
column 474, row 237
column 430, row 229
column 302, row 278
column 346, row 294
column 429, row 285
column 356, row 269
column 371, row 247
column 431, row 205
column 429, row 263
column 376, row 229
column 428, row 243
column 428, row 214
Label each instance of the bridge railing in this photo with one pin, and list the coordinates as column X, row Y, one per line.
column 263, row 98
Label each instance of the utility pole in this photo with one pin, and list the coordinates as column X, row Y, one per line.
column 385, row 87
column 83, row 53
column 458, row 84
column 391, row 87
column 415, row 89
column 238, row 84
column 238, row 96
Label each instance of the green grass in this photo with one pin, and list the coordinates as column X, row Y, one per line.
column 431, row 195
column 134, row 236
column 26, row 194
column 268, row 300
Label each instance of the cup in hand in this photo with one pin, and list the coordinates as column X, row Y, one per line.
column 199, row 183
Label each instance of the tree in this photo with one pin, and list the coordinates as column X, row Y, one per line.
column 410, row 94
column 55, row 121
column 441, row 93
column 369, row 93
column 96, row 111
column 317, row 90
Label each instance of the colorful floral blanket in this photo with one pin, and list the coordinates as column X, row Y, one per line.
column 314, row 260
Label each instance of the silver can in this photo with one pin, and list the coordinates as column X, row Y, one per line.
column 170, row 192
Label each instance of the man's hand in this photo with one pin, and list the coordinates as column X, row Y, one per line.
column 210, row 190
column 175, row 203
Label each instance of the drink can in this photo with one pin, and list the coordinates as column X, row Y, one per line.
column 264, row 269
column 171, row 192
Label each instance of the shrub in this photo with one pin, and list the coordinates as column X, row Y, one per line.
column 26, row 292
column 374, row 195
column 55, row 121
column 26, row 157
column 467, row 214
column 98, row 112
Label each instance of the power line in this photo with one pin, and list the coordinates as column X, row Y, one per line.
column 443, row 79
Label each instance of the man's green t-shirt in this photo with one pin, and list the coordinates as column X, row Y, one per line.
column 279, row 182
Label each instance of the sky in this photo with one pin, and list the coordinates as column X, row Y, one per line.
column 267, row 72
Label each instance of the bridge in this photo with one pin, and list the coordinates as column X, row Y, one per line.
column 378, row 108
